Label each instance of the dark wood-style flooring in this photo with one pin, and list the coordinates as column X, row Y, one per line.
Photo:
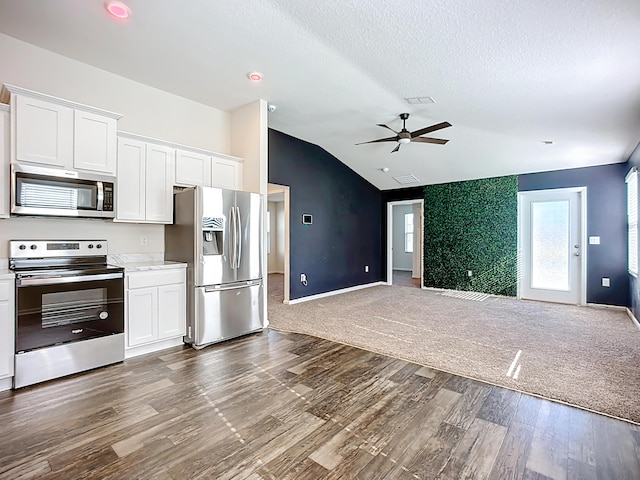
column 276, row 406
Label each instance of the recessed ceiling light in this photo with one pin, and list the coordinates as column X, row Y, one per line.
column 254, row 76
column 118, row 10
column 384, row 169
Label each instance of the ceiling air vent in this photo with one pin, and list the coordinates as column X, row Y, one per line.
column 419, row 100
column 406, row 179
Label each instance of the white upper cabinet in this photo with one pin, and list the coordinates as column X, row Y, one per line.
column 193, row 168
column 4, row 161
column 226, row 172
column 94, row 142
column 145, row 181
column 50, row 131
column 159, row 183
column 130, row 187
column 43, row 132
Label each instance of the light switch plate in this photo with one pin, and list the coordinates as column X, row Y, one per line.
column 594, row 240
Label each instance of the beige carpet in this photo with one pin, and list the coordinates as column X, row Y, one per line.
column 583, row 356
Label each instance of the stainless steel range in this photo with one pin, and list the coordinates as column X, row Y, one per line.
column 69, row 308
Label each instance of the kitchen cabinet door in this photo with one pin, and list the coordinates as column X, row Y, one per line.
column 226, row 173
column 94, row 143
column 7, row 332
column 192, row 169
column 142, row 316
column 43, row 132
column 159, row 184
column 131, row 184
column 4, row 162
column 171, row 310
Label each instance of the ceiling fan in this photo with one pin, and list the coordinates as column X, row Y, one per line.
column 405, row 136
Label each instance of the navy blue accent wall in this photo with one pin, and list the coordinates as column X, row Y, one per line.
column 606, row 218
column 346, row 230
column 397, row 195
column 634, row 284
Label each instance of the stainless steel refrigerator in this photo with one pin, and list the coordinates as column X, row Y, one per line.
column 218, row 233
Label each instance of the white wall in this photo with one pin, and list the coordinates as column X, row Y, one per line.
column 277, row 233
column 401, row 259
column 147, row 111
column 249, row 137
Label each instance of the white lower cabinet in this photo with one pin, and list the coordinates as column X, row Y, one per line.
column 7, row 332
column 155, row 309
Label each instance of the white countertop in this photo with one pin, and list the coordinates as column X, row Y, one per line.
column 150, row 265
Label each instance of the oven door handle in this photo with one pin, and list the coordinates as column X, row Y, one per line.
column 26, row 282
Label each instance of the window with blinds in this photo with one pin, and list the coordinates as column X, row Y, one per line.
column 632, row 220
column 408, row 232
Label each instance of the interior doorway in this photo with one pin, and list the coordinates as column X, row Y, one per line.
column 277, row 243
column 405, row 242
column 551, row 237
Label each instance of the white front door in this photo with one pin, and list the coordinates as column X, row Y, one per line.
column 550, row 239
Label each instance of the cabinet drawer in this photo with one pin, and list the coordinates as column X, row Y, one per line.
column 156, row 278
column 6, row 290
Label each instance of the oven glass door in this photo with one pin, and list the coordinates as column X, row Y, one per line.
column 57, row 313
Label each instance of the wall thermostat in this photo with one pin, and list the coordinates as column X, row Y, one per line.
column 307, row 219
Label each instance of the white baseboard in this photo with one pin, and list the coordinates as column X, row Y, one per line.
column 6, row 384
column 633, row 317
column 334, row 292
column 152, row 347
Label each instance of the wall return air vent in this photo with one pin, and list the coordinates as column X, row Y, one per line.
column 406, row 179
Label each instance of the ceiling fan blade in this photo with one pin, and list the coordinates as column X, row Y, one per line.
column 430, row 129
column 384, row 126
column 388, row 139
column 438, row 141
column 396, row 149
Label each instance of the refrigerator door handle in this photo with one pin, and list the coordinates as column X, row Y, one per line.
column 239, row 236
column 231, row 286
column 233, row 232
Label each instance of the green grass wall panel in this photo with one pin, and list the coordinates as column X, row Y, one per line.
column 472, row 225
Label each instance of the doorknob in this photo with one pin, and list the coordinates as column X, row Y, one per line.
column 576, row 254
column 576, row 246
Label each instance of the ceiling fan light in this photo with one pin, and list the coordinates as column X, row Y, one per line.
column 404, row 140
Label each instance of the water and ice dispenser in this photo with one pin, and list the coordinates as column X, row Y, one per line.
column 212, row 235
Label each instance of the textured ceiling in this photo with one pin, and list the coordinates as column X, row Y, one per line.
column 507, row 75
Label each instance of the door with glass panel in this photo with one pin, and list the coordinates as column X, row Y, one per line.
column 551, row 251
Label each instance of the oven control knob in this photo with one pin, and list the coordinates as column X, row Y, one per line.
column 33, row 247
column 90, row 245
column 98, row 246
column 22, row 247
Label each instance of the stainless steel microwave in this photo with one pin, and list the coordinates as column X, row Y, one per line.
column 60, row 193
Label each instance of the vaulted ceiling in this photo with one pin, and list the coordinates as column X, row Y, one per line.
column 507, row 75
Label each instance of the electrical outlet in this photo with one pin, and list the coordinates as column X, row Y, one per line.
column 366, row 269
column 469, row 273
column 144, row 240
column 303, row 277
column 606, row 282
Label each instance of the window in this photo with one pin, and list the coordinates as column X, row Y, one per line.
column 408, row 232
column 632, row 219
